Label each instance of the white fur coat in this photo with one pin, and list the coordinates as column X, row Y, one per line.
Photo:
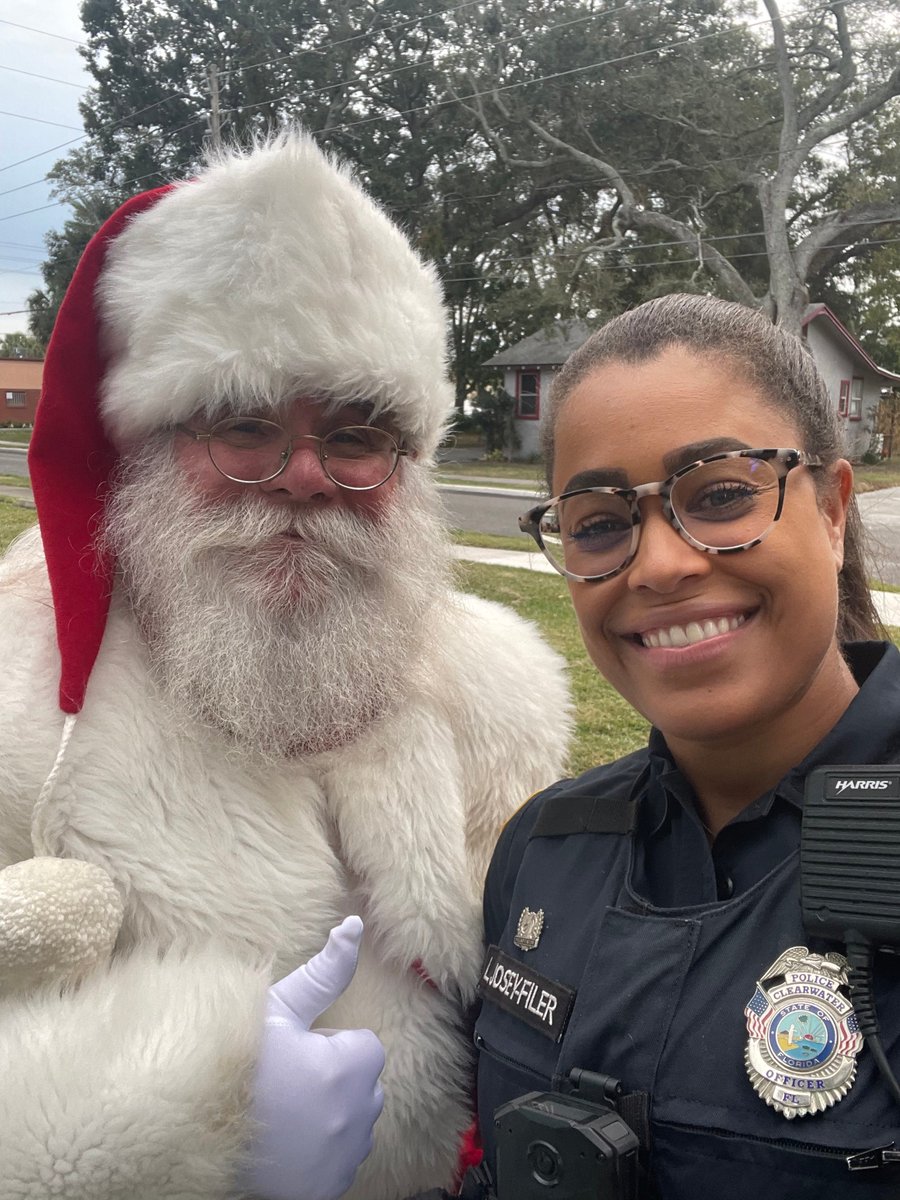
column 135, row 1085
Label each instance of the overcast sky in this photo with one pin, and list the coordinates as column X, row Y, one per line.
column 22, row 185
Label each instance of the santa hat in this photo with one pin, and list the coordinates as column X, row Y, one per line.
column 271, row 274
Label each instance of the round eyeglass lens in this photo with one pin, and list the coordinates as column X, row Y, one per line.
column 588, row 534
column 359, row 457
column 252, row 450
column 728, row 503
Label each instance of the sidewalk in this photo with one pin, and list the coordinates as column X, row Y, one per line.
column 22, row 495
column 887, row 603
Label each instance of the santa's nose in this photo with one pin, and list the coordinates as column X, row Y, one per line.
column 303, row 478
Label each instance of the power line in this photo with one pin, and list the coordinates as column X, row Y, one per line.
column 109, row 127
column 665, row 262
column 413, row 20
column 48, row 78
column 44, row 32
column 507, row 87
column 28, row 211
column 31, row 157
column 670, row 262
column 39, row 120
column 441, row 12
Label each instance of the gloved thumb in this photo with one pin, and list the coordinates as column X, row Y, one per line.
column 314, row 987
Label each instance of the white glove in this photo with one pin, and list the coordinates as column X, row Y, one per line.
column 316, row 1094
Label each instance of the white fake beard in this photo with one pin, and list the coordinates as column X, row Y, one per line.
column 287, row 646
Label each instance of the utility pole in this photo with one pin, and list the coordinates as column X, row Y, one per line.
column 215, row 123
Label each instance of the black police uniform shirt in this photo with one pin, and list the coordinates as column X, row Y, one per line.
column 662, row 939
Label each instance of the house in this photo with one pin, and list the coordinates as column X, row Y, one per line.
column 854, row 381
column 20, row 388
column 528, row 370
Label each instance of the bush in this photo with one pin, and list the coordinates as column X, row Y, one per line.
column 494, row 411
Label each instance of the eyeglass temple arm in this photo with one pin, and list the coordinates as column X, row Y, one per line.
column 195, row 434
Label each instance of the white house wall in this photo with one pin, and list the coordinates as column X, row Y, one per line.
column 528, row 429
column 835, row 363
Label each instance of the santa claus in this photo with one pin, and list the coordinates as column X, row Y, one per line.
column 238, row 687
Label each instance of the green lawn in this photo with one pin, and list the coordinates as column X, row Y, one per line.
column 494, row 541
column 606, row 727
column 881, row 475
column 13, row 520
column 22, row 436
column 498, row 471
column 14, row 481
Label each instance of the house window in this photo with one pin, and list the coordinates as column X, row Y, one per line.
column 15, row 399
column 528, row 395
column 844, row 402
column 856, row 395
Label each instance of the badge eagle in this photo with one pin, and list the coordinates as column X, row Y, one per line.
column 803, row 1033
column 529, row 929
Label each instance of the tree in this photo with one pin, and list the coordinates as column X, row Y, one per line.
column 20, row 345
column 751, row 127
column 173, row 76
column 554, row 158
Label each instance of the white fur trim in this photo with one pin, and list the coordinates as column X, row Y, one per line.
column 135, row 1086
column 272, row 274
column 206, row 847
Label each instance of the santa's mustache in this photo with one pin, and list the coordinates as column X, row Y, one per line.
column 250, row 524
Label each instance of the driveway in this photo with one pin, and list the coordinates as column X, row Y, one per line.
column 880, row 513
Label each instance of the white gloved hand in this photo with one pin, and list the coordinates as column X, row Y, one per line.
column 316, row 1095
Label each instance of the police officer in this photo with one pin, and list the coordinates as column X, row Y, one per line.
column 643, row 921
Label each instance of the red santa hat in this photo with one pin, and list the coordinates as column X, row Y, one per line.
column 271, row 274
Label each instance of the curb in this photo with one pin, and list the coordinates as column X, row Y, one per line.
column 472, row 490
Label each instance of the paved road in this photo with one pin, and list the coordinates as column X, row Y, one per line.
column 881, row 518
column 486, row 511
column 12, row 462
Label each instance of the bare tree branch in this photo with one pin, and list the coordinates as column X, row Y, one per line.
column 715, row 261
column 872, row 101
column 846, row 69
column 590, row 160
column 493, row 139
column 790, row 126
column 838, row 225
column 632, row 216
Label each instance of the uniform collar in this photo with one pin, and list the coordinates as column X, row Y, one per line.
column 868, row 732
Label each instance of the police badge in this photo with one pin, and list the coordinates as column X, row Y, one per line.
column 528, row 931
column 804, row 1036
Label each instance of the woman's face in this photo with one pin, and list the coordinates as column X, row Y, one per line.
column 641, row 422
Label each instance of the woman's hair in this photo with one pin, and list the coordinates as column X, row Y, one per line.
column 775, row 362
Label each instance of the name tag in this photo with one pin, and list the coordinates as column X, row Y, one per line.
column 540, row 1002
